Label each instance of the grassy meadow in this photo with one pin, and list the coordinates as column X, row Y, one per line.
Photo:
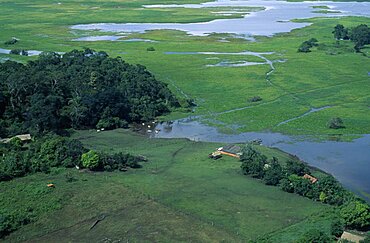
column 331, row 75
column 179, row 195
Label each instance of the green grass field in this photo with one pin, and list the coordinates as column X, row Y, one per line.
column 330, row 75
column 180, row 195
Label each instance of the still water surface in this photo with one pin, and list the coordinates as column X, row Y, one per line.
column 349, row 162
column 274, row 19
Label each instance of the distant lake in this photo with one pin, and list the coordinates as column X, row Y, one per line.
column 274, row 19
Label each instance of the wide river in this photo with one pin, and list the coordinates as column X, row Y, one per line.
column 349, row 162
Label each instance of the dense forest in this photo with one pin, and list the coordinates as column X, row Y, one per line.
column 80, row 89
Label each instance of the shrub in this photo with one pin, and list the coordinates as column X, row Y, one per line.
column 315, row 236
column 255, row 99
column 306, row 45
column 286, row 185
column 367, row 238
column 252, row 162
column 356, row 214
column 11, row 41
column 301, row 186
column 336, row 123
column 150, row 49
column 111, row 123
column 15, row 52
column 273, row 173
column 90, row 160
column 296, row 167
column 337, row 227
column 11, row 221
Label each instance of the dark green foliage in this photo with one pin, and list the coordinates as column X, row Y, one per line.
column 15, row 51
column 337, row 226
column 109, row 162
column 367, row 238
column 340, row 33
column 336, row 123
column 150, row 49
column 295, row 167
column 39, row 156
column 11, row 41
column 118, row 161
column 19, row 52
column 253, row 162
column 11, row 221
column 356, row 214
column 315, row 236
column 69, row 177
column 360, row 35
column 331, row 191
column 255, row 99
column 90, row 160
column 307, row 45
column 273, row 173
column 286, row 185
column 108, row 122
column 300, row 185
column 79, row 89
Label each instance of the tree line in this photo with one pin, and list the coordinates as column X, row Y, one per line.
column 80, row 89
column 51, row 151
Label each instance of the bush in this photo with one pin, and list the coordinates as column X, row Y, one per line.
column 15, row 52
column 11, row 41
column 150, row 49
column 315, row 236
column 90, row 160
column 253, row 162
column 296, row 167
column 300, row 185
column 273, row 173
column 10, row 222
column 286, row 185
column 255, row 99
column 336, row 123
column 367, row 238
column 111, row 123
column 118, row 161
column 337, row 227
column 356, row 214
column 307, row 45
column 331, row 191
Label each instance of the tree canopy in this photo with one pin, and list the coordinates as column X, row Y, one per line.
column 79, row 89
column 360, row 35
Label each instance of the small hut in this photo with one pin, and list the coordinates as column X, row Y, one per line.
column 311, row 178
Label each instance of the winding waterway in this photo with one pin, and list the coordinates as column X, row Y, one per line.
column 347, row 161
